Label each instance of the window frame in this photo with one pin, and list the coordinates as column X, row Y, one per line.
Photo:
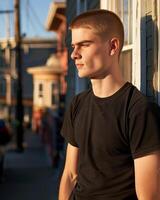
column 129, row 36
column 111, row 5
column 138, row 42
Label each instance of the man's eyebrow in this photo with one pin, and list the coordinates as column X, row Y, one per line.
column 82, row 42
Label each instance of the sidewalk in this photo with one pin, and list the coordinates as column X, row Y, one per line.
column 29, row 175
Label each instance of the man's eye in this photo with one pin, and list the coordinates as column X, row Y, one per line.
column 86, row 45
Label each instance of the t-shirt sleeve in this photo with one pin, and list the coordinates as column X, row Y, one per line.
column 67, row 130
column 144, row 129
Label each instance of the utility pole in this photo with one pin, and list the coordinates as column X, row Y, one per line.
column 19, row 104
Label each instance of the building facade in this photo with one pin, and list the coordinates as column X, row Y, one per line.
column 34, row 52
column 140, row 59
column 56, row 22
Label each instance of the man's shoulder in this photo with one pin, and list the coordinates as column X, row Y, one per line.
column 139, row 102
column 132, row 96
column 138, row 96
column 82, row 96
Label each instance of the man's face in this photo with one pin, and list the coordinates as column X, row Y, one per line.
column 90, row 53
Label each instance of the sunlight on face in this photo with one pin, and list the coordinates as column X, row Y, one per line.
column 90, row 53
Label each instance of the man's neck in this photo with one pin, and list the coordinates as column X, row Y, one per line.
column 107, row 86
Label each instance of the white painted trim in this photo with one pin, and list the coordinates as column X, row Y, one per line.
column 158, row 26
column 113, row 6
column 127, row 47
column 129, row 19
column 138, row 56
column 142, row 55
column 136, row 44
column 108, row 5
column 104, row 4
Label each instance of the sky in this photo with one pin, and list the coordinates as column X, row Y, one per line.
column 33, row 18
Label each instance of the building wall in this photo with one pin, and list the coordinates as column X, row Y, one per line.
column 144, row 69
column 33, row 57
column 95, row 4
column 62, row 54
column 70, row 78
column 144, row 60
column 74, row 84
column 151, row 50
column 158, row 71
column 34, row 52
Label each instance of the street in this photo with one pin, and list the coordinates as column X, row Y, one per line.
column 29, row 175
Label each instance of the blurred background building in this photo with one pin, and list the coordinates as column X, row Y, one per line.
column 34, row 52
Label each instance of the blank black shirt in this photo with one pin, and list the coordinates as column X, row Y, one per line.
column 110, row 133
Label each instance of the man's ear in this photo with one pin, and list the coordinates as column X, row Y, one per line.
column 114, row 46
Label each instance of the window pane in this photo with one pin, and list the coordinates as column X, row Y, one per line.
column 126, row 65
column 125, row 20
column 119, row 8
column 124, row 11
column 40, row 90
column 40, row 87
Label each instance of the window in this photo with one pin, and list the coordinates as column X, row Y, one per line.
column 126, row 60
column 124, row 9
column 40, row 90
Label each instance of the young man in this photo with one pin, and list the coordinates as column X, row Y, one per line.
column 113, row 133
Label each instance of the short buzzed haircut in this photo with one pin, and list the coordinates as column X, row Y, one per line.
column 104, row 23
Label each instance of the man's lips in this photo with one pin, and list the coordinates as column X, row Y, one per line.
column 79, row 65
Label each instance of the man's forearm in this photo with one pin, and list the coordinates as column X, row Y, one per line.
column 67, row 185
column 154, row 197
column 149, row 195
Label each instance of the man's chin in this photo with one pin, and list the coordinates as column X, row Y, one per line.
column 82, row 75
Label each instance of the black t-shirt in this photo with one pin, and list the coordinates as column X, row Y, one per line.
column 110, row 133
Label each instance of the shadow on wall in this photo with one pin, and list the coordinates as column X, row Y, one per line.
column 149, row 49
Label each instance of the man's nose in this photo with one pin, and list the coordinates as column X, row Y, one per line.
column 75, row 54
